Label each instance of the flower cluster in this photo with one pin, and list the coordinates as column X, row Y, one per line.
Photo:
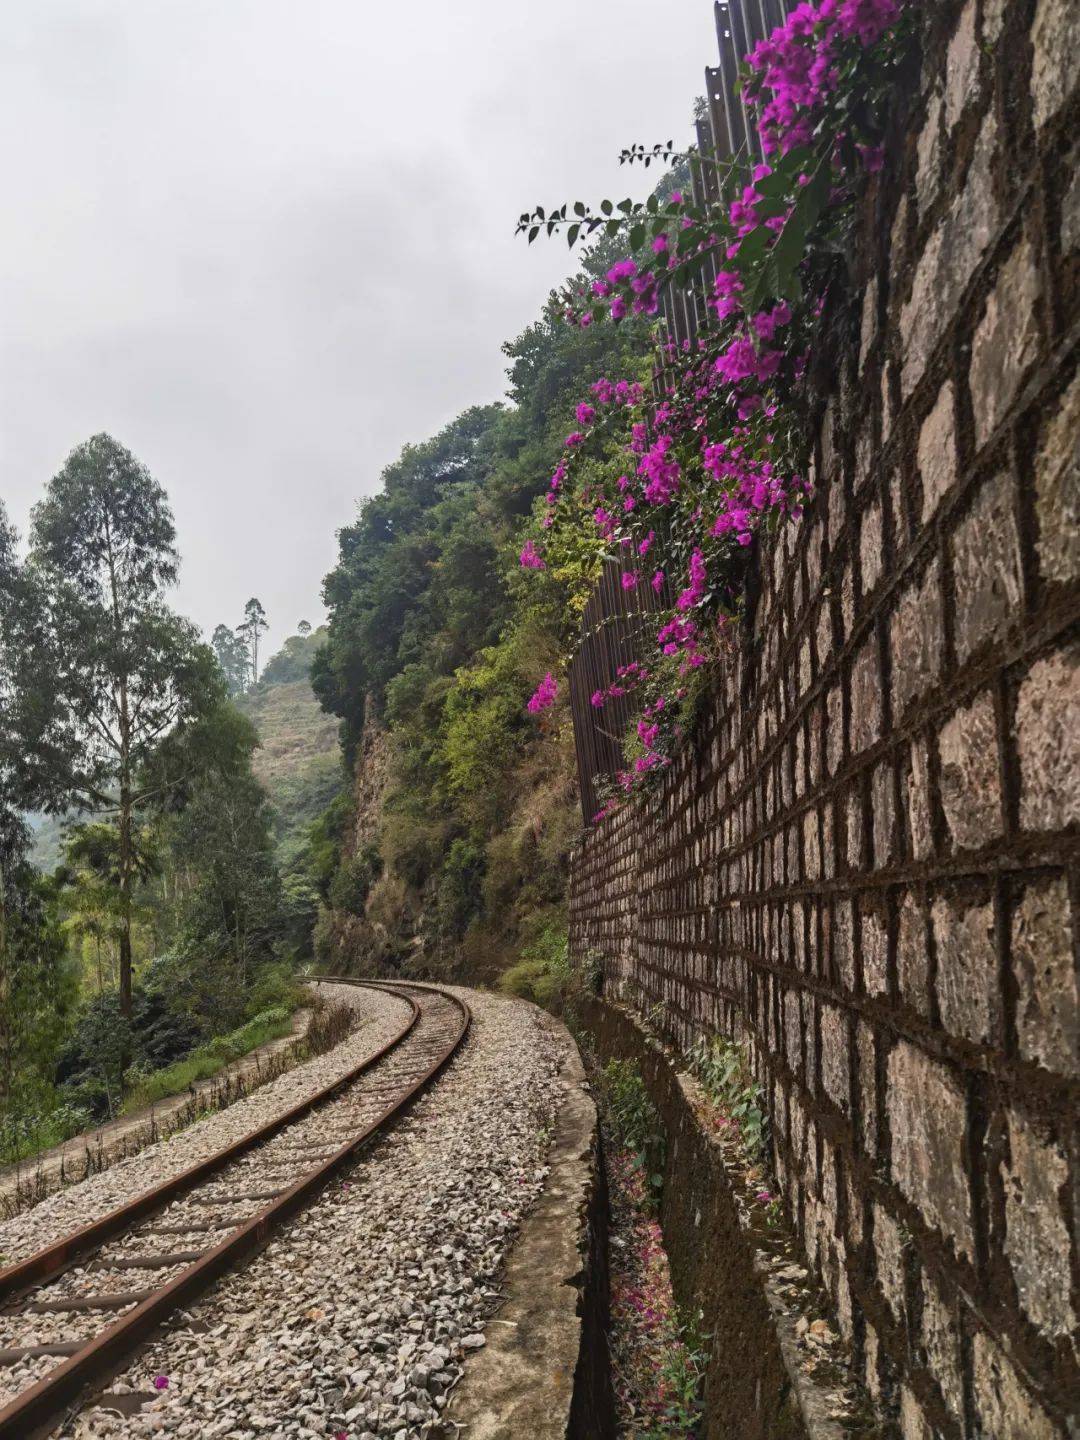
column 544, row 696
column 718, row 455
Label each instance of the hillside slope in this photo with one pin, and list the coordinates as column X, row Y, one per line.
column 298, row 761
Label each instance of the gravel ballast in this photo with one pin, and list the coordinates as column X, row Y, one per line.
column 381, row 1016
column 358, row 1318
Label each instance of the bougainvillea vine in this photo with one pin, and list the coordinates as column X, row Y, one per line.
column 718, row 455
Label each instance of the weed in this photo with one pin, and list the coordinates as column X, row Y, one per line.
column 725, row 1075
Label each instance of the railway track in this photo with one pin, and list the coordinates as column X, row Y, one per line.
column 97, row 1295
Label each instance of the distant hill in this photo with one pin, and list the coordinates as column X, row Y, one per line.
column 299, row 760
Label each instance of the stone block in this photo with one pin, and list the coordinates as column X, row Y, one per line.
column 889, row 1261
column 1048, row 741
column 1003, row 1407
column 854, row 840
column 793, row 1032
column 1057, row 489
column 987, row 577
column 939, row 1346
column 835, row 1057
column 937, row 450
column 865, row 697
column 868, row 325
column 883, row 810
column 834, row 729
column 967, row 967
column 952, row 254
column 928, row 1125
column 843, row 959
column 1036, row 1233
column 1044, row 970
column 916, row 638
column 929, row 150
column 870, row 551
column 1007, row 340
column 868, row 1123
column 1055, row 71
column 917, row 781
column 970, row 783
column 874, row 949
column 912, row 955
column 961, row 66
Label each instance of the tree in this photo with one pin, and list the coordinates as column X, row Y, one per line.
column 219, row 832
column 234, row 657
column 304, row 627
column 116, row 670
column 252, row 625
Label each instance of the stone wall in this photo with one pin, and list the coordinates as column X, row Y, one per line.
column 867, row 862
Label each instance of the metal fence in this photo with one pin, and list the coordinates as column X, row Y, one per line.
column 616, row 624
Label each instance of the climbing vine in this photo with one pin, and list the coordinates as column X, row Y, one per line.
column 678, row 485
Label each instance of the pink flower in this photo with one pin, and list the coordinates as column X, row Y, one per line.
column 161, row 1382
column 530, row 557
column 629, row 579
column 544, row 695
column 622, row 270
column 585, row 414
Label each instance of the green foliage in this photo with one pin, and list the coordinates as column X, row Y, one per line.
column 295, row 658
column 633, row 1119
column 353, row 879
column 724, row 1071
column 459, row 896
column 148, row 1087
column 543, row 973
column 234, row 657
column 679, row 1379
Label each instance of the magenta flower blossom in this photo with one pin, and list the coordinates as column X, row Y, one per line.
column 544, row 695
column 530, row 557
column 161, row 1382
column 629, row 579
column 585, row 414
column 622, row 270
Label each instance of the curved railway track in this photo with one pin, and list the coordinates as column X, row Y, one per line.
column 102, row 1290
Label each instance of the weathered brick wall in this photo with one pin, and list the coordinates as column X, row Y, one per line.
column 867, row 863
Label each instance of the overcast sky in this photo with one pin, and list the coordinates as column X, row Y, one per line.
column 265, row 243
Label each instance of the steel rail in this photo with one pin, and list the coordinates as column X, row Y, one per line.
column 35, row 1410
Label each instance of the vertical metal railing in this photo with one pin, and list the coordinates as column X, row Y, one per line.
column 618, row 625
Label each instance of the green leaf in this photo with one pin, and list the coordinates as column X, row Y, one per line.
column 606, row 206
column 637, row 237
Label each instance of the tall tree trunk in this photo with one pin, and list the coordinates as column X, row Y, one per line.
column 125, row 899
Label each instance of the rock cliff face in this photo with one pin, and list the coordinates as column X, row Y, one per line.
column 350, row 943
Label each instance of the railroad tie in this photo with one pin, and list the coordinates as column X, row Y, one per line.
column 119, row 1301
column 61, row 1350
column 149, row 1262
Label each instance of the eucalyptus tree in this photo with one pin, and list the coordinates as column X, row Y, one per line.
column 119, row 669
column 233, row 656
column 251, row 627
